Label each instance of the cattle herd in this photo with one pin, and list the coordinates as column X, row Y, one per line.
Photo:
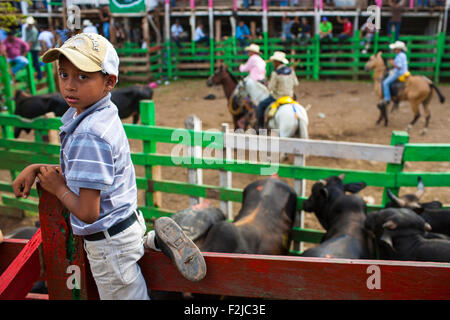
column 406, row 229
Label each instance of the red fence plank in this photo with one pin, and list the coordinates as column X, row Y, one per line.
column 272, row 277
column 18, row 279
column 63, row 252
column 282, row 277
column 9, row 250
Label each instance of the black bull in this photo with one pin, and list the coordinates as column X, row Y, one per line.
column 263, row 224
column 126, row 99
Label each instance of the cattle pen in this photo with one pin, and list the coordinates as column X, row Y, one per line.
column 270, row 277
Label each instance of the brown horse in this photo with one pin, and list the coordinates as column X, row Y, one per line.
column 238, row 103
column 417, row 90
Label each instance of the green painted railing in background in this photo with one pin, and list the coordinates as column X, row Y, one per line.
column 17, row 154
column 427, row 55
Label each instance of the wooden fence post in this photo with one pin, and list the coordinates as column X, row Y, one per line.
column 66, row 265
column 30, row 75
column 397, row 138
column 195, row 176
column 147, row 111
column 50, row 78
column 226, row 176
column 440, row 51
column 316, row 60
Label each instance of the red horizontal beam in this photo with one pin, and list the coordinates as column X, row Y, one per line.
column 285, row 277
column 18, row 279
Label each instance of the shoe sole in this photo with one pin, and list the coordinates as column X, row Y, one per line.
column 184, row 253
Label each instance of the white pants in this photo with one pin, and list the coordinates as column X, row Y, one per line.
column 114, row 263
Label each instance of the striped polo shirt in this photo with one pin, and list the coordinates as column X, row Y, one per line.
column 95, row 154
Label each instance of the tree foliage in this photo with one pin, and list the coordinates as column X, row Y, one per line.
column 10, row 16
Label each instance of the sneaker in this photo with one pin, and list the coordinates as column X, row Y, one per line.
column 186, row 256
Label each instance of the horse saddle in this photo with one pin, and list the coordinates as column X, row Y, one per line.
column 279, row 102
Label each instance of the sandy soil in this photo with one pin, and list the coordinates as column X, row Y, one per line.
column 340, row 111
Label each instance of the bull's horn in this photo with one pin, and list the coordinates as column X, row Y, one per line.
column 400, row 202
column 342, row 176
column 420, row 188
column 427, row 226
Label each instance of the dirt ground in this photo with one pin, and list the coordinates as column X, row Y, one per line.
column 340, row 111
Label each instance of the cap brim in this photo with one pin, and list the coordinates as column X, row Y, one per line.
column 78, row 59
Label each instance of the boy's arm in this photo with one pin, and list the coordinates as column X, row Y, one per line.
column 85, row 207
column 23, row 183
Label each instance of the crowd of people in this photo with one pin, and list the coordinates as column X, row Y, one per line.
column 35, row 39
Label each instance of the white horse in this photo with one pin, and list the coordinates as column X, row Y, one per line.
column 289, row 117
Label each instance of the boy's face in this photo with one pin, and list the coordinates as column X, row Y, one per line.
column 82, row 89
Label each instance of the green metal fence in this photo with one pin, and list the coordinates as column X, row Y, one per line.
column 24, row 80
column 16, row 154
column 427, row 55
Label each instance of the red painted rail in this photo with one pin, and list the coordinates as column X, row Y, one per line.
column 18, row 279
column 273, row 277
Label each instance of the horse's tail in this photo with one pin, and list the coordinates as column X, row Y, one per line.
column 441, row 96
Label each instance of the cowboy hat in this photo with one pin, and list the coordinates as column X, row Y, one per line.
column 30, row 20
column 87, row 23
column 280, row 57
column 398, row 45
column 253, row 48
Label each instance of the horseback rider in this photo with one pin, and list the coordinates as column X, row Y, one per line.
column 400, row 64
column 255, row 65
column 281, row 84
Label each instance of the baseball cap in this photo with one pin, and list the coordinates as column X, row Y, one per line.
column 89, row 52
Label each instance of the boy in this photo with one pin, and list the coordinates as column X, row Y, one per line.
column 96, row 180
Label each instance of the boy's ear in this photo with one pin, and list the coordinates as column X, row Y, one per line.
column 110, row 82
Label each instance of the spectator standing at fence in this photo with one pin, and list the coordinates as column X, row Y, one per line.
column 301, row 30
column 242, row 34
column 397, row 7
column 31, row 37
column 255, row 65
column 347, row 31
column 176, row 33
column 96, row 179
column 281, row 84
column 325, row 30
column 88, row 27
column 46, row 39
column 105, row 17
column 286, row 25
column 199, row 35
